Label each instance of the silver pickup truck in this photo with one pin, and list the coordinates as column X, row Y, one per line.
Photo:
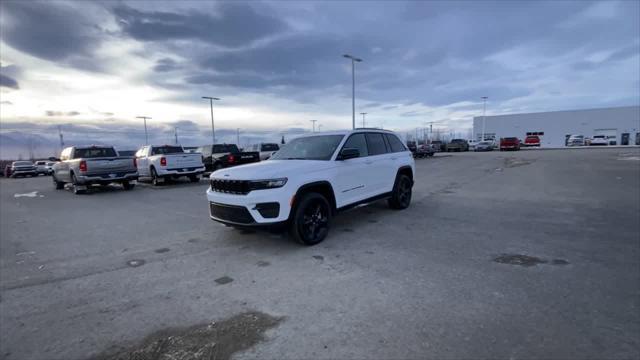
column 84, row 166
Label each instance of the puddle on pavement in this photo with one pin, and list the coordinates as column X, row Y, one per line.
column 263, row 263
column 526, row 260
column 517, row 259
column 218, row 340
column 223, row 280
column 136, row 262
column 162, row 250
column 514, row 162
column 318, row 257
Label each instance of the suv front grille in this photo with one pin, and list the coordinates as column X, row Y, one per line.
column 231, row 213
column 230, row 186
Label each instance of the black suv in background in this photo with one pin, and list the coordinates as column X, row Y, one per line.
column 220, row 156
column 458, row 145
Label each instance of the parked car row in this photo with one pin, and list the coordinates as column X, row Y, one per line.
column 27, row 168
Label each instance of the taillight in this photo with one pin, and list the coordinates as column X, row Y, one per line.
column 231, row 158
column 135, row 163
column 83, row 165
column 163, row 161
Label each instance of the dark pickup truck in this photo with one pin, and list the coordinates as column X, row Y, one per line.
column 220, row 156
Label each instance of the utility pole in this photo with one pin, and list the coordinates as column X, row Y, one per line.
column 353, row 87
column 314, row 124
column 213, row 127
column 175, row 133
column 363, row 121
column 238, row 136
column 484, row 110
column 61, row 138
column 146, row 137
column 319, row 127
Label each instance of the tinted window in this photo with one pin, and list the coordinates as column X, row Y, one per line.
column 167, row 149
column 309, row 148
column 396, row 144
column 40, row 163
column 270, row 147
column 22, row 163
column 376, row 145
column 95, row 152
column 357, row 141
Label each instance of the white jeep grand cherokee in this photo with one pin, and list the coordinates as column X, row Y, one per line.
column 310, row 179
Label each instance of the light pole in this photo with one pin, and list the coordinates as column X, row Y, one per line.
column 175, row 133
column 353, row 88
column 146, row 138
column 213, row 127
column 238, row 136
column 319, row 127
column 363, row 121
column 484, row 111
column 314, row 124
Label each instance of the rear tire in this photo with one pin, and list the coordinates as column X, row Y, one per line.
column 155, row 180
column 311, row 219
column 194, row 178
column 127, row 185
column 59, row 185
column 401, row 194
column 76, row 187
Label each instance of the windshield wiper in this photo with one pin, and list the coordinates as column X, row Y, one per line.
column 295, row 158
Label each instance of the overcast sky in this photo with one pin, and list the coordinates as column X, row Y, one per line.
column 277, row 65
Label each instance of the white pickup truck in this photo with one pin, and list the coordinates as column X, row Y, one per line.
column 160, row 162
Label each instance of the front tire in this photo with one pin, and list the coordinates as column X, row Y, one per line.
column 401, row 194
column 194, row 178
column 311, row 219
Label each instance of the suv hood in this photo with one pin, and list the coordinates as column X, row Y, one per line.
column 271, row 169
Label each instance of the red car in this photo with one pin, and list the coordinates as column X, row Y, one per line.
column 532, row 140
column 509, row 143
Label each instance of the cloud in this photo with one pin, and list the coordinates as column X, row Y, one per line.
column 61, row 113
column 165, row 65
column 6, row 81
column 235, row 24
column 50, row 30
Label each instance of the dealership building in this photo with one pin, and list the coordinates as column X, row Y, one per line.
column 621, row 125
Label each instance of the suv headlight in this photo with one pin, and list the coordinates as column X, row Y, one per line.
column 267, row 184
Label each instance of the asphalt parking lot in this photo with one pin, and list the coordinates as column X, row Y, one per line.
column 530, row 254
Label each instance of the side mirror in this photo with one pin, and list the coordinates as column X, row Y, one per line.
column 54, row 159
column 349, row 153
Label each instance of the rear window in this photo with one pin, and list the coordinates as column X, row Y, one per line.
column 94, row 152
column 225, row 148
column 457, row 140
column 270, row 147
column 396, row 144
column 375, row 144
column 532, row 137
column 167, row 149
column 510, row 139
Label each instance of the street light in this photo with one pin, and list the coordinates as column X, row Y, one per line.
column 353, row 87
column 319, row 127
column 213, row 127
column 363, row 114
column 146, row 138
column 314, row 124
column 238, row 136
column 484, row 110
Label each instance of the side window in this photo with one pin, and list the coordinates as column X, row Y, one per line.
column 357, row 141
column 375, row 144
column 395, row 143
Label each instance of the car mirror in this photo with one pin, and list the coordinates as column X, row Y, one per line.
column 349, row 153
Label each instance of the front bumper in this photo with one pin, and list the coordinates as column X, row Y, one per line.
column 106, row 178
column 253, row 205
column 23, row 172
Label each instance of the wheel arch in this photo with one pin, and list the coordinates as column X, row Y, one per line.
column 406, row 170
column 322, row 187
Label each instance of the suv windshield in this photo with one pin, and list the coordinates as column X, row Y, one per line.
column 319, row 147
column 94, row 152
column 270, row 147
column 23, row 163
column 167, row 149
